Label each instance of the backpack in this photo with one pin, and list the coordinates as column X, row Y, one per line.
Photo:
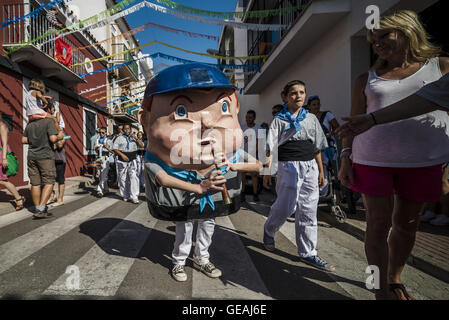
column 13, row 163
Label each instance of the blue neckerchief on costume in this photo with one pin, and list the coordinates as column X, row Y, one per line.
column 285, row 115
column 101, row 140
column 189, row 176
column 128, row 139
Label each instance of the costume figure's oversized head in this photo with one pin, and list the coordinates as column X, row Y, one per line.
column 189, row 110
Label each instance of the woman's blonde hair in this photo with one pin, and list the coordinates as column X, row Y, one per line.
column 38, row 85
column 418, row 46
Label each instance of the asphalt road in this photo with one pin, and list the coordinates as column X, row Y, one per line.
column 109, row 249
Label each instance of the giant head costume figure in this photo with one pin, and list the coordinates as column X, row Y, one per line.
column 189, row 115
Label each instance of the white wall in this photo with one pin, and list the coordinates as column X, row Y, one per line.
column 89, row 8
column 248, row 102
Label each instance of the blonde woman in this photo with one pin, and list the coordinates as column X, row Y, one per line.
column 396, row 166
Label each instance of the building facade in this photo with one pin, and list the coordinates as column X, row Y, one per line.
column 64, row 80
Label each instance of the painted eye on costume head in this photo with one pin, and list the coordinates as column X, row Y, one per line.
column 180, row 112
column 225, row 108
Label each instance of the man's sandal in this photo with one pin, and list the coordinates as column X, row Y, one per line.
column 403, row 292
column 19, row 206
column 52, row 197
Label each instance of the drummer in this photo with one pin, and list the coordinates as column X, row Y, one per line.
column 126, row 146
column 103, row 147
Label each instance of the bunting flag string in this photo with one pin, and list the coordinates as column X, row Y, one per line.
column 240, row 25
column 224, row 66
column 212, row 55
column 172, row 58
column 104, row 97
column 144, row 86
column 89, row 21
column 102, row 22
column 124, row 98
column 230, row 15
column 119, row 87
column 114, row 13
column 144, row 27
column 244, row 73
column 99, row 87
column 170, row 46
column 113, row 67
column 103, row 91
column 34, row 13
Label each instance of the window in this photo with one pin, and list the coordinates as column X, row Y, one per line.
column 90, row 126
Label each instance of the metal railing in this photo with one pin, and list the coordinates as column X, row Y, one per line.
column 24, row 31
column 120, row 58
column 270, row 37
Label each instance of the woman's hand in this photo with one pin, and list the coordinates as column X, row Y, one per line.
column 346, row 173
column 5, row 164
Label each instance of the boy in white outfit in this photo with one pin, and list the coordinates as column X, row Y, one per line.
column 103, row 147
column 125, row 146
column 297, row 138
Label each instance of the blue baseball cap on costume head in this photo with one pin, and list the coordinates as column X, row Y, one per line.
column 186, row 76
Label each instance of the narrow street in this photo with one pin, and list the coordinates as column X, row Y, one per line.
column 121, row 252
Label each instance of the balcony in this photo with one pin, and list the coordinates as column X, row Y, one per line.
column 130, row 70
column 41, row 53
column 304, row 27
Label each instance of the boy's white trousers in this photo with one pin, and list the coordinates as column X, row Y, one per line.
column 183, row 240
column 297, row 192
column 128, row 181
column 105, row 165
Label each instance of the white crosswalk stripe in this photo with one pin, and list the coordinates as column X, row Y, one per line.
column 121, row 262
column 104, row 267
column 16, row 216
column 243, row 280
column 18, row 249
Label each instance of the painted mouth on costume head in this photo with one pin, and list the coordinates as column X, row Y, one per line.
column 207, row 141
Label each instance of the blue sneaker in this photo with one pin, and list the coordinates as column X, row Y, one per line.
column 268, row 242
column 317, row 262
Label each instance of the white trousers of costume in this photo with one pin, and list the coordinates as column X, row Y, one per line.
column 104, row 170
column 297, row 192
column 128, row 181
column 183, row 240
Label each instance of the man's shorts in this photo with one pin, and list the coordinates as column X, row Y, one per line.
column 41, row 172
column 416, row 184
column 60, row 172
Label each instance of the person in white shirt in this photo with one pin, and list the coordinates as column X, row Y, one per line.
column 103, row 147
column 126, row 146
column 250, row 135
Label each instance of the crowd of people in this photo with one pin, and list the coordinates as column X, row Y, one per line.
column 123, row 152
